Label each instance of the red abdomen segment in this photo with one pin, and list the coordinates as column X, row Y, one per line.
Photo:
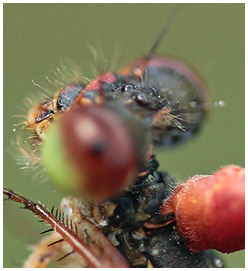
column 210, row 210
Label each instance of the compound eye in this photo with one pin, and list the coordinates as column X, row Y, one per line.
column 92, row 152
column 175, row 93
column 98, row 147
column 86, row 130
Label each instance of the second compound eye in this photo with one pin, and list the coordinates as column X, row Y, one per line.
column 68, row 95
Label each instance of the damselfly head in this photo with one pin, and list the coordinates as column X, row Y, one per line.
column 94, row 139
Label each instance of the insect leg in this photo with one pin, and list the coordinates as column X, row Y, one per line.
column 68, row 235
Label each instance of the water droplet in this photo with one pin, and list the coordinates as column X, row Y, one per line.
column 193, row 104
column 221, row 103
column 103, row 222
column 155, row 252
column 183, row 93
column 218, row 262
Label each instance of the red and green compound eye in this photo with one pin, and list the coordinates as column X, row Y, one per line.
column 93, row 152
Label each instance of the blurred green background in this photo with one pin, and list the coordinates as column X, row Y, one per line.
column 38, row 36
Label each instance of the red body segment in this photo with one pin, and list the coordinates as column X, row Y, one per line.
column 210, row 210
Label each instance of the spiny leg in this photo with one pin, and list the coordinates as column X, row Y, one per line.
column 69, row 236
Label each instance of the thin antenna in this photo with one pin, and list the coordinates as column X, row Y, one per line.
column 163, row 32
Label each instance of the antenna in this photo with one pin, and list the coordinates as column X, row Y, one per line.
column 163, row 32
